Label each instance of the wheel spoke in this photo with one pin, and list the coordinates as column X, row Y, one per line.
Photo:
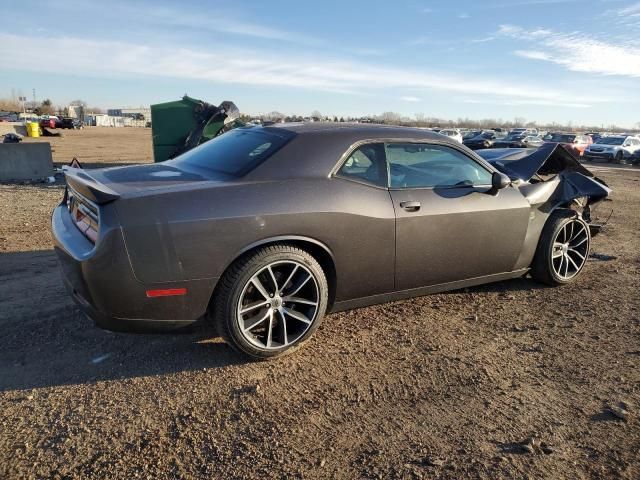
column 578, row 233
column 300, row 285
column 586, row 237
column 269, row 328
column 285, row 337
column 299, row 300
column 253, row 306
column 297, row 315
column 258, row 284
column 255, row 321
column 566, row 266
column 273, row 279
column 577, row 253
column 574, row 263
column 571, row 234
column 293, row 272
column 559, row 270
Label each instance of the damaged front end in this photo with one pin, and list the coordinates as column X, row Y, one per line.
column 551, row 177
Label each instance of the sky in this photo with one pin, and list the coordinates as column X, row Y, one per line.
column 544, row 60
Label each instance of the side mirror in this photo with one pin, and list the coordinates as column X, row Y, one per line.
column 499, row 181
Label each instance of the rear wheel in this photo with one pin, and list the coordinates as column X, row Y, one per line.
column 563, row 249
column 270, row 302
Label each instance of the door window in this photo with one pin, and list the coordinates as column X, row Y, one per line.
column 416, row 165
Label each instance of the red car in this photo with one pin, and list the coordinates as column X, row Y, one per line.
column 574, row 141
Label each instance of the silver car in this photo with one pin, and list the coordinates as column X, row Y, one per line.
column 612, row 148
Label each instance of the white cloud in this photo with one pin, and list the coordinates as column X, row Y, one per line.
column 410, row 99
column 533, row 54
column 463, row 15
column 633, row 10
column 251, row 67
column 578, row 51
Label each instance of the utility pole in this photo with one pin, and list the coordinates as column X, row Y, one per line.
column 23, row 100
column 34, row 99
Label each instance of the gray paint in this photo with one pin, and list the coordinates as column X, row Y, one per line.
column 163, row 227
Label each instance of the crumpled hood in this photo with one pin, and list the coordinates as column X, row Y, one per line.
column 550, row 159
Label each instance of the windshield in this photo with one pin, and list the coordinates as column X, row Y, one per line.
column 611, row 141
column 236, row 152
column 562, row 138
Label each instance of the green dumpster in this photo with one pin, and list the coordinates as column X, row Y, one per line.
column 181, row 125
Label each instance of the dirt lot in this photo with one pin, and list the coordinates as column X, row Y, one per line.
column 511, row 380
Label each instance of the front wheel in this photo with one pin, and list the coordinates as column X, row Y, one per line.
column 270, row 302
column 620, row 158
column 563, row 249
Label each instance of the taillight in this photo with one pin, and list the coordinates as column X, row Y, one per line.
column 85, row 214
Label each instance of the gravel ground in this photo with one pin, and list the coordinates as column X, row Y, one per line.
column 510, row 380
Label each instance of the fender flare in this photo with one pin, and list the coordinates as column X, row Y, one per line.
column 281, row 239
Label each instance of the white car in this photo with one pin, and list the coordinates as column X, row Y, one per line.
column 614, row 148
column 452, row 133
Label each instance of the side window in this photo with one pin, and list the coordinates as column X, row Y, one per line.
column 414, row 165
column 366, row 164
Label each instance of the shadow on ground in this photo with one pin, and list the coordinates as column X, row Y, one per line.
column 45, row 341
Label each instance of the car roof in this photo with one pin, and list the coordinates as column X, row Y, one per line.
column 356, row 130
column 316, row 147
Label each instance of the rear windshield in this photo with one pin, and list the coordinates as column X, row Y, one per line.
column 237, row 151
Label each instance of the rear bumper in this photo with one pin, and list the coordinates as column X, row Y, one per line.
column 102, row 283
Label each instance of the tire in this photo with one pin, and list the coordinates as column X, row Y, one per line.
column 563, row 249
column 289, row 314
column 620, row 157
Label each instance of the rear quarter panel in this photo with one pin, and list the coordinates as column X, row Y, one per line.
column 197, row 233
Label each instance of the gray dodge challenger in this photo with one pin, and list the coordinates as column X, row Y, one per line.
column 263, row 230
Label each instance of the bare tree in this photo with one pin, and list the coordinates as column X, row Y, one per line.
column 391, row 118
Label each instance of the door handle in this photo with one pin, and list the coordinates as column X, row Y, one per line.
column 410, row 206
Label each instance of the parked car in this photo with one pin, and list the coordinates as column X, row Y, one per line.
column 635, row 158
column 483, row 140
column 453, row 134
column 262, row 230
column 527, row 131
column 614, row 148
column 49, row 122
column 577, row 143
column 471, row 134
column 70, row 123
column 518, row 141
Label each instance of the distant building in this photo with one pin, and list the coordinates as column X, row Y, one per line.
column 75, row 111
column 142, row 113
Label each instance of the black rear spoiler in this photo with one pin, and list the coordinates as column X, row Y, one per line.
column 89, row 187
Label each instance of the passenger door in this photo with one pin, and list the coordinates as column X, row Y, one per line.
column 449, row 226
